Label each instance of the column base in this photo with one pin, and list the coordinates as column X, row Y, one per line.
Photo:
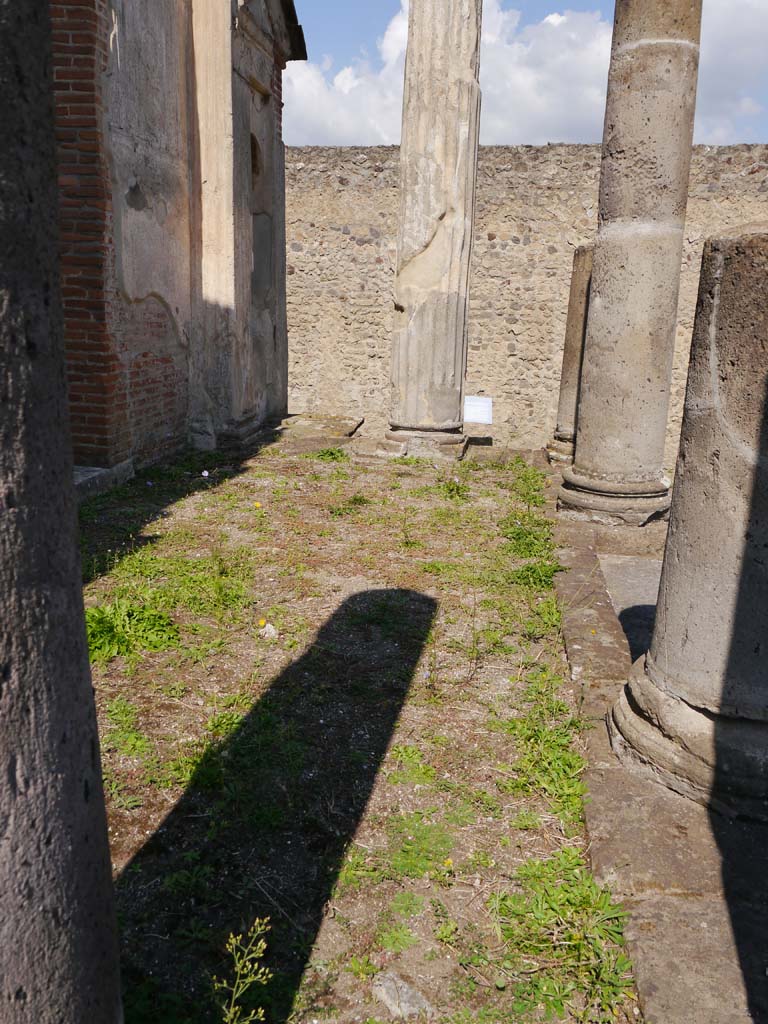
column 612, row 505
column 716, row 760
column 560, row 450
column 449, row 445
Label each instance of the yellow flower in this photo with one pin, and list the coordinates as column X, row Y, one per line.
column 448, row 862
column 262, row 623
column 257, row 504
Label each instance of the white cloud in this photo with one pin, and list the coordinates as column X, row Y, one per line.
column 541, row 83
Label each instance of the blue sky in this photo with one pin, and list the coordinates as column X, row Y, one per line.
column 342, row 28
column 544, row 70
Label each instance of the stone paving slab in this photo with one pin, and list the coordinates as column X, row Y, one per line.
column 695, row 883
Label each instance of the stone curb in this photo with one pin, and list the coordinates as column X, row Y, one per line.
column 688, row 879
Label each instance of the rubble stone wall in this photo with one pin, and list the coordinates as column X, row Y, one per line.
column 534, row 206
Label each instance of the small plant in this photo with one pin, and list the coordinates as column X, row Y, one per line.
column 246, row 952
column 328, row 455
column 545, row 619
column 546, row 761
column 350, row 506
column 529, row 535
column 453, row 488
column 528, row 483
column 564, row 939
column 397, row 939
column 362, row 968
column 407, row 904
column 412, row 768
column 420, row 848
column 526, row 821
column 537, row 575
column 123, row 736
column 123, row 628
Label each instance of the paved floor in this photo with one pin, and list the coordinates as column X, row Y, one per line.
column 695, row 883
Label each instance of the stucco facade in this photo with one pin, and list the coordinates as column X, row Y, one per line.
column 169, row 118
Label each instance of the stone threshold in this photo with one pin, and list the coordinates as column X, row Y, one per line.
column 93, row 480
column 694, row 883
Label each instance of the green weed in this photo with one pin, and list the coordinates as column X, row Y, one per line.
column 564, row 940
column 123, row 628
column 397, row 939
column 328, row 455
column 546, row 762
column 350, row 506
column 362, row 968
column 529, row 535
column 419, row 847
column 407, row 904
column 123, row 736
column 412, row 768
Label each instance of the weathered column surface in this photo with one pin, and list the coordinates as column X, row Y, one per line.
column 58, row 937
column 441, row 121
column 696, row 708
column 562, row 446
column 618, row 475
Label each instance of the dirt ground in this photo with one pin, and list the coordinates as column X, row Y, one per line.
column 332, row 693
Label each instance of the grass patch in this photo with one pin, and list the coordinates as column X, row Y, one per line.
column 546, row 762
column 412, row 768
column 564, row 940
column 328, row 455
column 529, row 535
column 350, row 507
column 124, row 736
column 125, row 629
column 397, row 939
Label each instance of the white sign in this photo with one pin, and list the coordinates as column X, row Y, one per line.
column 478, row 410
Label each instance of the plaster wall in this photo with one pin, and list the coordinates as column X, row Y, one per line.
column 150, row 160
column 534, row 206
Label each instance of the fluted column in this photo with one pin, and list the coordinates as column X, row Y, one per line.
column 618, row 474
column 696, row 708
column 438, row 159
column 561, row 447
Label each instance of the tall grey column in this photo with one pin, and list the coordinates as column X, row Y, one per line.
column 561, row 448
column 58, row 935
column 618, row 475
column 438, row 158
column 696, row 708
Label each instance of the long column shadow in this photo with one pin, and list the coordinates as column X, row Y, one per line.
column 264, row 825
column 744, row 844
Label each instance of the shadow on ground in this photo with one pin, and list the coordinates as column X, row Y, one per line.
column 264, row 825
column 637, row 623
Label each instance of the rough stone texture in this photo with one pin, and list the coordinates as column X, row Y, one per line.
column 697, row 710
column 58, row 937
column 629, row 348
column 400, row 998
column 534, row 206
column 562, row 446
column 441, row 126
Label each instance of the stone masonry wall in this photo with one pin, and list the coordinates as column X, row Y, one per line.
column 535, row 205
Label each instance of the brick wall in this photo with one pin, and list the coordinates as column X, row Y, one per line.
column 96, row 386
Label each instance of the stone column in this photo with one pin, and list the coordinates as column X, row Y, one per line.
column 617, row 476
column 561, row 447
column 438, row 158
column 696, row 708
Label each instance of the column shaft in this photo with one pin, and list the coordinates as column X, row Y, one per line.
column 625, row 388
column 441, row 119
column 561, row 448
column 697, row 707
